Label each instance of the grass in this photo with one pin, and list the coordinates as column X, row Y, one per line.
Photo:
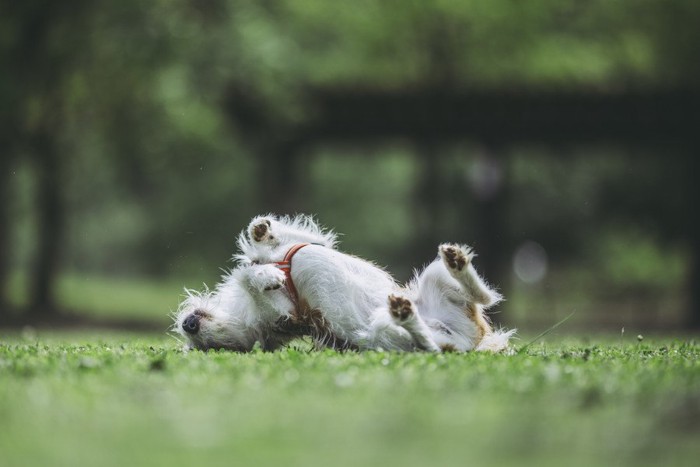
column 79, row 399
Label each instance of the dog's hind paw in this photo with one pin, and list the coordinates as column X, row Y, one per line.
column 458, row 261
column 456, row 257
column 400, row 308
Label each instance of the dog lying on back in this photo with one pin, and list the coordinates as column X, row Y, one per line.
column 291, row 282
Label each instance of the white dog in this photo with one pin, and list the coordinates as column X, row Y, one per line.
column 339, row 300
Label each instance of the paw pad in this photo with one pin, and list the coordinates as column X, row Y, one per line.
column 400, row 307
column 260, row 230
column 455, row 257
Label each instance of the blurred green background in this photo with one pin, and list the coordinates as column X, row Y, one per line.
column 137, row 138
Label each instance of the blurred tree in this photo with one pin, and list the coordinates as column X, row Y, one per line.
column 67, row 63
column 5, row 168
column 39, row 62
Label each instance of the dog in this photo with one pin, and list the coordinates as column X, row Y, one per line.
column 291, row 281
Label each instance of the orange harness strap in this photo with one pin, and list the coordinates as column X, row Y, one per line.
column 286, row 266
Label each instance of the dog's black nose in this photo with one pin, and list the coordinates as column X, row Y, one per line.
column 191, row 324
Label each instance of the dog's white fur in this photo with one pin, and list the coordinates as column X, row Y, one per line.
column 344, row 301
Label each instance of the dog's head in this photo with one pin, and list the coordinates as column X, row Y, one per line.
column 207, row 321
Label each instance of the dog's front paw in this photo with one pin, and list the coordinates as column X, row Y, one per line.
column 456, row 257
column 268, row 277
column 260, row 231
column 400, row 308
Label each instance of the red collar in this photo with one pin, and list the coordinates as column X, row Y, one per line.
column 286, row 266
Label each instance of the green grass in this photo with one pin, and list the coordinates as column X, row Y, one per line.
column 128, row 400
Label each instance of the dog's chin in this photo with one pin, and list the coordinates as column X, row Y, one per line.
column 205, row 341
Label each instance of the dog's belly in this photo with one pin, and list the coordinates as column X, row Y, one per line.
column 343, row 288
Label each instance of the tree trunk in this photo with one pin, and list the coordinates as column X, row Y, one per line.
column 278, row 178
column 693, row 321
column 5, row 166
column 492, row 243
column 50, row 214
column 427, row 201
column 694, row 311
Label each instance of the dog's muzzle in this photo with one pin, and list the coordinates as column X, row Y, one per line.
column 191, row 324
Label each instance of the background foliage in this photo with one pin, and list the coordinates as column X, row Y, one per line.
column 125, row 173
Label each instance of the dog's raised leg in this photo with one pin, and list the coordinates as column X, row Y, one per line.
column 458, row 261
column 404, row 314
column 261, row 284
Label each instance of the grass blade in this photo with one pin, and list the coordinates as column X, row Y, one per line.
column 542, row 334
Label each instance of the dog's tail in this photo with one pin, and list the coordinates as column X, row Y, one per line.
column 496, row 341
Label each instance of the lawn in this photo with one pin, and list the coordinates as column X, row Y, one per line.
column 117, row 399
